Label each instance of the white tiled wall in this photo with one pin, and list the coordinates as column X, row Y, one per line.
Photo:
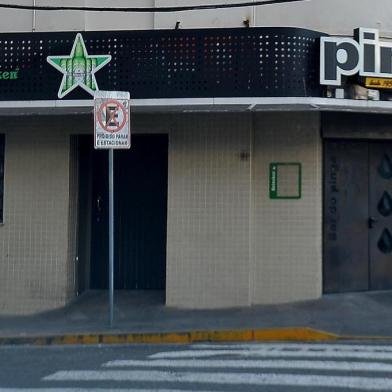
column 208, row 212
column 287, row 233
column 228, row 244
column 214, row 259
column 332, row 16
column 33, row 239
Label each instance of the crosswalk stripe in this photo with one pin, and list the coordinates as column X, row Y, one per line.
column 272, row 379
column 265, row 352
column 259, row 364
column 95, row 390
column 290, row 346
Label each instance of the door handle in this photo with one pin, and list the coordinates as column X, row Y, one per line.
column 99, row 204
column 98, row 208
column 371, row 222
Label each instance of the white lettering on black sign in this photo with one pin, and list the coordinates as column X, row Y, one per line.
column 364, row 54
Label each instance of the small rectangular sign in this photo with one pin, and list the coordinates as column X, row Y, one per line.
column 111, row 120
column 378, row 83
column 285, row 180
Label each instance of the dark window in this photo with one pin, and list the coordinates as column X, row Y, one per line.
column 2, row 142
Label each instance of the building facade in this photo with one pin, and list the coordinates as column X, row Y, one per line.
column 248, row 181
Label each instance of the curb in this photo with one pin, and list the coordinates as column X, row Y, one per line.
column 251, row 335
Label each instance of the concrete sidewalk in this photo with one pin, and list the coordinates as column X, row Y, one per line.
column 367, row 314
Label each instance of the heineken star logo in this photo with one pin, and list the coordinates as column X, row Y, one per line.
column 78, row 68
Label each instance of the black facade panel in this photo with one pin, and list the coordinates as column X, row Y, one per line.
column 247, row 62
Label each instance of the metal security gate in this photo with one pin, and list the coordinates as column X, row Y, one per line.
column 357, row 216
column 140, row 211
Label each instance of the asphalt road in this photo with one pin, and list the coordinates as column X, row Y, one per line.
column 200, row 367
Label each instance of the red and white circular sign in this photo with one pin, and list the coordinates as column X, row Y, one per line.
column 112, row 116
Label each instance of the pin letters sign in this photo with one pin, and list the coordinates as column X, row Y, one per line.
column 364, row 55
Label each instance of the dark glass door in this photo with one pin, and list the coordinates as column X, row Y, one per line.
column 140, row 210
column 346, row 266
column 357, row 216
column 380, row 219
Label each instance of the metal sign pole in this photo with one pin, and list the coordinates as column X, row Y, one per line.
column 111, row 131
column 111, row 240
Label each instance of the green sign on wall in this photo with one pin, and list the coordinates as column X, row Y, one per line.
column 285, row 180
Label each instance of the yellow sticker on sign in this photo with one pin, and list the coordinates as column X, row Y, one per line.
column 378, row 83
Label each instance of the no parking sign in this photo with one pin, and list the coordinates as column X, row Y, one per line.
column 111, row 118
column 111, row 132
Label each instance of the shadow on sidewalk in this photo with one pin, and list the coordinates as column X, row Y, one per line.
column 367, row 313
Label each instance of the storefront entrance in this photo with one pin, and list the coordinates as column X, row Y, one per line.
column 357, row 215
column 140, row 215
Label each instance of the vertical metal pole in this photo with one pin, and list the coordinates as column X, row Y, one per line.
column 254, row 10
column 111, row 241
column 34, row 16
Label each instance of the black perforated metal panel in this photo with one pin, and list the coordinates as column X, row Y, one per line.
column 248, row 62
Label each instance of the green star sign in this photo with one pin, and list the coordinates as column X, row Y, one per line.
column 78, row 68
